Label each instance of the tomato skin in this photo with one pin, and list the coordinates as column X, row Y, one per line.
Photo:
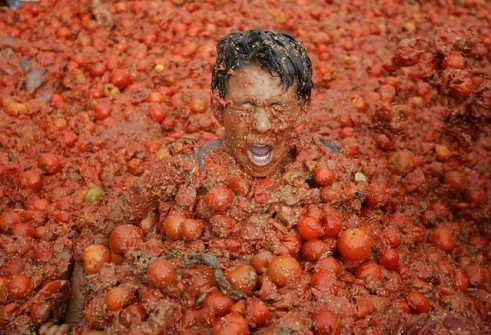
column 120, row 78
column 293, row 243
column 329, row 264
column 23, row 229
column 33, row 216
column 148, row 223
column 323, row 175
column 237, row 184
column 161, row 274
column 442, row 238
column 401, row 163
column 97, row 70
column 455, row 180
column 102, row 110
column 134, row 313
column 391, row 236
column 257, row 312
column 460, row 281
column 18, row 286
column 155, row 97
column 309, row 227
column 157, row 113
column 3, row 289
column 477, row 241
column 197, row 106
column 384, row 142
column 40, row 312
column 476, row 276
column 261, row 260
column 69, row 138
column 461, row 87
column 8, row 220
column 242, row 278
column 218, row 303
column 111, row 91
column 354, row 244
column 154, row 246
column 314, row 249
column 389, row 258
column 191, row 230
column 418, row 302
column 325, row 322
column 475, row 197
column 333, row 222
column 38, row 204
column 221, row 225
column 377, row 196
column 368, row 271
column 43, row 251
column 49, row 163
column 408, row 52
column 284, row 270
column 262, row 193
column 453, row 60
column 94, row 257
column 172, row 226
column 124, row 238
column 325, row 281
column 219, row 199
column 315, row 212
column 32, row 179
column 117, row 298
column 231, row 324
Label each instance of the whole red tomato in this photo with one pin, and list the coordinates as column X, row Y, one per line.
column 125, row 238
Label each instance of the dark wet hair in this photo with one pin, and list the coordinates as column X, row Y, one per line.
column 279, row 54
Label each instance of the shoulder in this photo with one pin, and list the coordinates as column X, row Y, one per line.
column 317, row 145
column 205, row 149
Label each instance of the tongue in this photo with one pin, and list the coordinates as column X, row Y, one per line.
column 259, row 150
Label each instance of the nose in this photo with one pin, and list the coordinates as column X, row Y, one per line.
column 263, row 123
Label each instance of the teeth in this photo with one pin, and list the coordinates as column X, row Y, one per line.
column 260, row 154
column 259, row 149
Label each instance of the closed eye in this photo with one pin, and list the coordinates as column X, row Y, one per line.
column 278, row 107
column 247, row 105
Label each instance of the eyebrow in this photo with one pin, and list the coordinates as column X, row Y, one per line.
column 274, row 102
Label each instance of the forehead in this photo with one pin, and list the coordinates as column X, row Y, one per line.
column 252, row 82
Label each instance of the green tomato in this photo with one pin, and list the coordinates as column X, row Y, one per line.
column 94, row 195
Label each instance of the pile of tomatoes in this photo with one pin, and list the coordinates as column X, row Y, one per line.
column 391, row 232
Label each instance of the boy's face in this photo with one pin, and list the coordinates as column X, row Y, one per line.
column 259, row 119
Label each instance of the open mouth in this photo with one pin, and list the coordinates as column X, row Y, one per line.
column 260, row 154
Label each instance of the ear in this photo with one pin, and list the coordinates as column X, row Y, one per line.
column 217, row 106
column 217, row 111
column 302, row 115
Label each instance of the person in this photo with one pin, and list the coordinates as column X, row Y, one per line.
column 238, row 196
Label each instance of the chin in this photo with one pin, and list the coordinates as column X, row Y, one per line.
column 265, row 171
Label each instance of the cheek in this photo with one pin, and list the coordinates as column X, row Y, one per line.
column 236, row 130
column 281, row 127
